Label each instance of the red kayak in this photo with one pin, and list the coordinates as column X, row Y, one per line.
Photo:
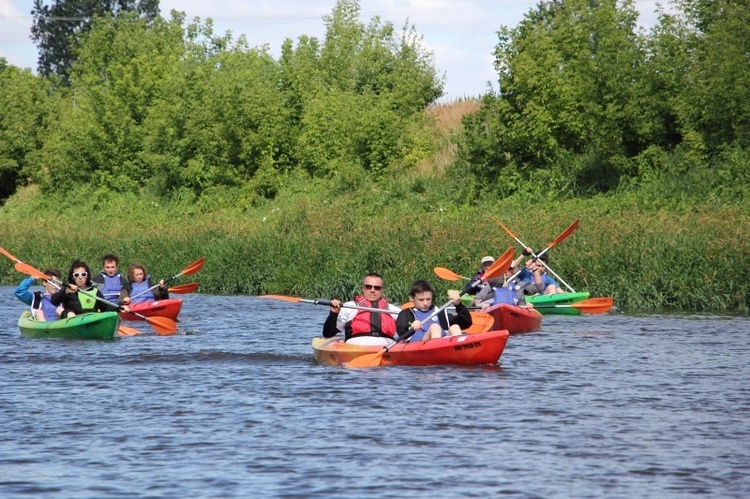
column 163, row 308
column 515, row 319
column 461, row 350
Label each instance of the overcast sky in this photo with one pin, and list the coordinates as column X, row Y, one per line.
column 461, row 34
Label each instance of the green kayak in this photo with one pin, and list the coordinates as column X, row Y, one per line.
column 93, row 326
column 550, row 304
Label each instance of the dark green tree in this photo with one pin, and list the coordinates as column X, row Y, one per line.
column 58, row 28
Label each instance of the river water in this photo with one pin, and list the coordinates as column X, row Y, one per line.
column 617, row 405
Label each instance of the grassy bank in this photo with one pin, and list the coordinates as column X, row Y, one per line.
column 310, row 242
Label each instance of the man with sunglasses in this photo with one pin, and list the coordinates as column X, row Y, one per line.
column 364, row 327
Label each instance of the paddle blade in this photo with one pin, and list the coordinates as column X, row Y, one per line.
column 501, row 265
column 446, row 274
column 293, row 299
column 480, row 323
column 164, row 326
column 25, row 268
column 513, row 236
column 194, row 267
column 367, row 360
column 565, row 234
column 128, row 331
column 184, row 289
column 594, row 306
column 407, row 304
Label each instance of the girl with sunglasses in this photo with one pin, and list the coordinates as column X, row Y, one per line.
column 75, row 303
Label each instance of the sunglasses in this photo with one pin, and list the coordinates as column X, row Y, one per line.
column 80, row 274
column 372, row 286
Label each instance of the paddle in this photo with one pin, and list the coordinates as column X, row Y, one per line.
column 183, row 289
column 557, row 240
column 191, row 269
column 373, row 359
column 570, row 229
column 448, row 274
column 128, row 331
column 480, row 323
column 592, row 306
column 321, row 301
column 162, row 325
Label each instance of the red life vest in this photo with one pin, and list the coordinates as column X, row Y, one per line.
column 367, row 323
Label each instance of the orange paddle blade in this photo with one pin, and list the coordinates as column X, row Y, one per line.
column 128, row 331
column 480, row 323
column 513, row 236
column 565, row 234
column 446, row 274
column 367, row 360
column 407, row 304
column 194, row 267
column 293, row 299
column 501, row 265
column 164, row 326
column 184, row 289
column 25, row 268
column 594, row 305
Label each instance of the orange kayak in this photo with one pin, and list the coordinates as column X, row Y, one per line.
column 462, row 350
column 515, row 319
column 163, row 308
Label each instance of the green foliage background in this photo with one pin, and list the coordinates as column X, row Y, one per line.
column 299, row 175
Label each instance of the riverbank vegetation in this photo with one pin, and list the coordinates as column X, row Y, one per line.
column 300, row 174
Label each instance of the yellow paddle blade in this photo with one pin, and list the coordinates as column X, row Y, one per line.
column 480, row 322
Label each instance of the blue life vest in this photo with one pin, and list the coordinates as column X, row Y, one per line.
column 48, row 308
column 112, row 287
column 140, row 287
column 421, row 316
column 505, row 294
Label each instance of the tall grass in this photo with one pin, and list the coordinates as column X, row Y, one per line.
column 315, row 245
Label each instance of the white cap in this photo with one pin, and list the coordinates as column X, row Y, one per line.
column 488, row 259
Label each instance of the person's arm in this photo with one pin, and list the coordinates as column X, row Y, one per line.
column 58, row 296
column 22, row 291
column 329, row 326
column 403, row 321
column 125, row 289
column 161, row 292
column 462, row 317
column 483, row 294
column 102, row 306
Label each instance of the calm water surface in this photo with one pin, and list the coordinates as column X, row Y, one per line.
column 617, row 405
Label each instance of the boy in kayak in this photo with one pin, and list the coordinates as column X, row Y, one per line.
column 41, row 306
column 74, row 302
column 364, row 327
column 437, row 326
column 113, row 286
